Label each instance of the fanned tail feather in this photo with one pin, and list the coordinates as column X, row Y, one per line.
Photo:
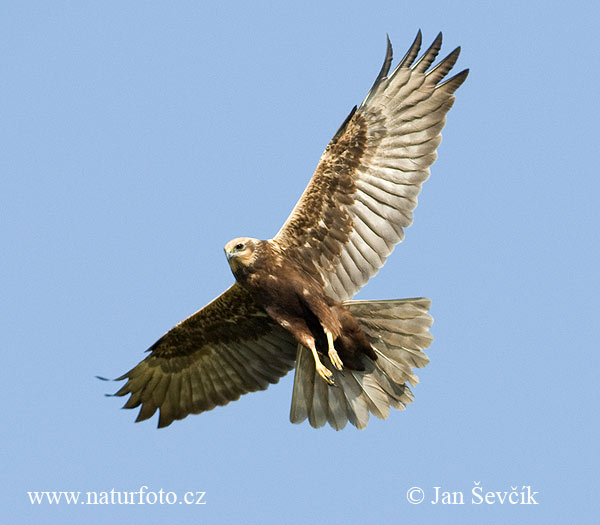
column 398, row 331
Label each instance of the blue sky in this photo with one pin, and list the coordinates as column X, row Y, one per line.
column 139, row 137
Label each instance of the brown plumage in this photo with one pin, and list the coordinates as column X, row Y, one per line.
column 295, row 299
column 292, row 293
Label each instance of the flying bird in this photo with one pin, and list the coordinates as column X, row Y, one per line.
column 291, row 305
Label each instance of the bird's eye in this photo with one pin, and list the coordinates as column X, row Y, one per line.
column 239, row 246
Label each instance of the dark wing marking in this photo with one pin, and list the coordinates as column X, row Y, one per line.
column 228, row 348
column 364, row 190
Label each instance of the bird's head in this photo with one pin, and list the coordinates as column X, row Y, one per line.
column 241, row 252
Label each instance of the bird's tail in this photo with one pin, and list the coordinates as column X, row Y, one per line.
column 399, row 332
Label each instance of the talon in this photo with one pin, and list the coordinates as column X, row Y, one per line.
column 325, row 374
column 321, row 369
column 335, row 359
column 333, row 355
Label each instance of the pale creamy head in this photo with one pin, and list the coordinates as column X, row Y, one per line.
column 241, row 251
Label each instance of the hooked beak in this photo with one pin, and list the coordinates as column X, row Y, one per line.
column 229, row 255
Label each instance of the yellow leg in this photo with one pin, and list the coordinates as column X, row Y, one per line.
column 322, row 370
column 333, row 355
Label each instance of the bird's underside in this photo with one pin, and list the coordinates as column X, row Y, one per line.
column 291, row 304
column 296, row 300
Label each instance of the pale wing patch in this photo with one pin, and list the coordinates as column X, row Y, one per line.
column 364, row 191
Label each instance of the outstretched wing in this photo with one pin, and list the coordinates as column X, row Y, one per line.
column 228, row 348
column 364, row 190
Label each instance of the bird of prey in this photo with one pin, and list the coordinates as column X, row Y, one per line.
column 291, row 305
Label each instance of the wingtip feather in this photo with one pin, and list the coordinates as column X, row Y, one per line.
column 430, row 55
column 441, row 70
column 453, row 83
column 412, row 52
